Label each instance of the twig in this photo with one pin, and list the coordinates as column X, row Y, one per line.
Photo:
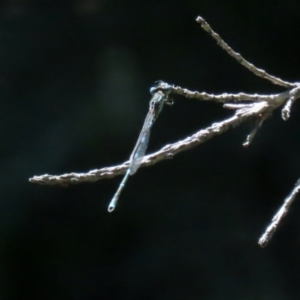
column 252, row 134
column 266, row 237
column 258, row 72
column 225, row 97
column 272, row 99
column 237, row 105
column 167, row 152
column 286, row 111
column 259, row 123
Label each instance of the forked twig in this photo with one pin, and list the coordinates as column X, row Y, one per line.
column 249, row 106
column 243, row 113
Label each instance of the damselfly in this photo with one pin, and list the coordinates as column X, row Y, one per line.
column 160, row 94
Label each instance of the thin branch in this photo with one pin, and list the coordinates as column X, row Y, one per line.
column 286, row 111
column 225, row 97
column 252, row 134
column 167, row 152
column 258, row 72
column 259, row 123
column 266, row 237
column 289, row 97
column 235, row 106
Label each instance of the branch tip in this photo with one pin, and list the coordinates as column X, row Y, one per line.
column 283, row 210
column 240, row 59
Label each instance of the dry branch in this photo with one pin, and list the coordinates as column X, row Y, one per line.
column 258, row 72
column 249, row 106
column 167, row 152
column 266, row 237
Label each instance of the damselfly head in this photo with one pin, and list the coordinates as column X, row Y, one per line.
column 160, row 86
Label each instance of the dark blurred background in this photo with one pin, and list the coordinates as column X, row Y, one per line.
column 74, row 91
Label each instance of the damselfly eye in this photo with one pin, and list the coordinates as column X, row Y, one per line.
column 152, row 90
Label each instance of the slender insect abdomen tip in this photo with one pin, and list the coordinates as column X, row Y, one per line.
column 111, row 208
